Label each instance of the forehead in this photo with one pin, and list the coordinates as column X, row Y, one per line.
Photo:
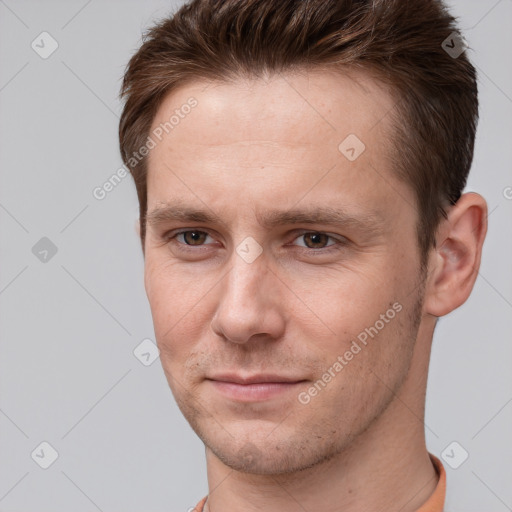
column 314, row 136
column 322, row 101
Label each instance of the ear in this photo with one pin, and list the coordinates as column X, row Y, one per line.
column 137, row 226
column 454, row 263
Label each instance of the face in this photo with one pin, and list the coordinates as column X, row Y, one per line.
column 281, row 265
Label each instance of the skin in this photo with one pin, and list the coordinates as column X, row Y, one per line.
column 251, row 147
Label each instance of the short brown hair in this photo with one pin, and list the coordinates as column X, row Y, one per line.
column 399, row 41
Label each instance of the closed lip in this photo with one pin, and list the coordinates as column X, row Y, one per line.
column 254, row 379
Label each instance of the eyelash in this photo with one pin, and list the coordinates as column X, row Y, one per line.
column 338, row 242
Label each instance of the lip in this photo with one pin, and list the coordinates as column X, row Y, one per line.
column 253, row 388
column 254, row 379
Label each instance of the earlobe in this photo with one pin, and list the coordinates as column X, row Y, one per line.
column 457, row 256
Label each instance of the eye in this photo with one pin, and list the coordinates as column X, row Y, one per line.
column 192, row 237
column 316, row 240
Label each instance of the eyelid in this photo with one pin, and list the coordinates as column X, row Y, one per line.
column 171, row 235
column 339, row 240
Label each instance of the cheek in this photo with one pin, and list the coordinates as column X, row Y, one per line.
column 346, row 303
column 366, row 315
column 363, row 372
column 171, row 290
column 179, row 307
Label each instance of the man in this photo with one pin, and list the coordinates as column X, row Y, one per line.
column 300, row 166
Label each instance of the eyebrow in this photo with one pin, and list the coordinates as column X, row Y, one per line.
column 370, row 223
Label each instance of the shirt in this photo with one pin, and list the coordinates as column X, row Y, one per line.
column 434, row 504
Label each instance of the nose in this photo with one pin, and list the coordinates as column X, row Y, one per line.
column 249, row 305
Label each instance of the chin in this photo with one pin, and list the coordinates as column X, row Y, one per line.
column 277, row 457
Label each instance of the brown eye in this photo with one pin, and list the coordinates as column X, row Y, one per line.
column 193, row 237
column 316, row 240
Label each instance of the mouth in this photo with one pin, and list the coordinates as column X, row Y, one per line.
column 254, row 388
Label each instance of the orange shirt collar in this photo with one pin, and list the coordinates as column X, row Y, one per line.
column 436, row 501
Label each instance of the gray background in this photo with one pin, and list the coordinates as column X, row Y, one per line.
column 69, row 325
